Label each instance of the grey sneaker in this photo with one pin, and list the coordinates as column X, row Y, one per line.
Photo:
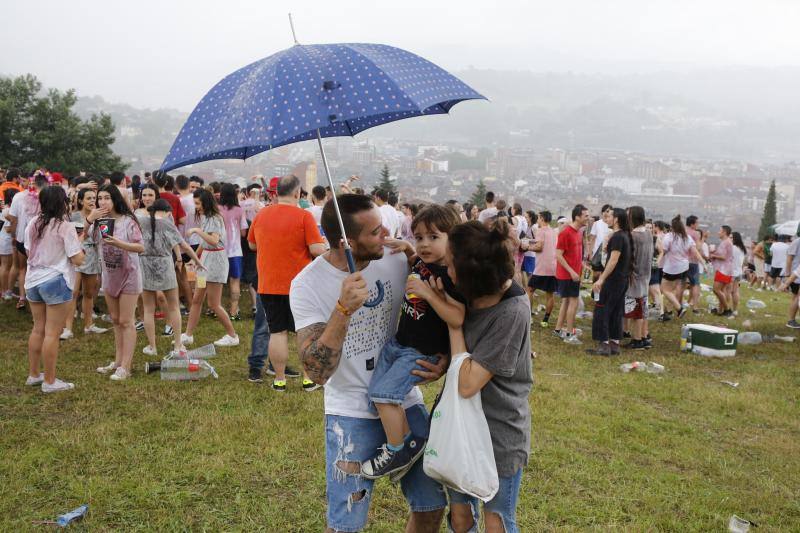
column 572, row 339
column 794, row 324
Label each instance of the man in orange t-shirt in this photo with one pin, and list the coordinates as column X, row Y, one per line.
column 285, row 239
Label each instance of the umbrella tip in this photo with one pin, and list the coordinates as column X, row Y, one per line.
column 291, row 25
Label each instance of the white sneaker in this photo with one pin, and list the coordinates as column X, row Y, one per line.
column 38, row 380
column 578, row 332
column 227, row 340
column 106, row 318
column 120, row 374
column 149, row 350
column 187, row 339
column 108, row 368
column 66, row 334
column 57, row 386
column 95, row 329
column 8, row 296
column 572, row 339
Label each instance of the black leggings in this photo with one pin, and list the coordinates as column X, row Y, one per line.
column 608, row 313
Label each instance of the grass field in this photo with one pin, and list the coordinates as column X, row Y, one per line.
column 678, row 451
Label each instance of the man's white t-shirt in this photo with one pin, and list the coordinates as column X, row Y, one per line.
column 599, row 229
column 316, row 212
column 779, row 252
column 25, row 207
column 487, row 214
column 313, row 297
column 389, row 220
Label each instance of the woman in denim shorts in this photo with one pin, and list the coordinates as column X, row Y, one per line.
column 54, row 249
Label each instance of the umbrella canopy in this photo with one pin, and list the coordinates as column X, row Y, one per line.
column 308, row 91
column 791, row 227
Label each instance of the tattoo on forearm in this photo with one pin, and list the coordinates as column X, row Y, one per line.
column 319, row 361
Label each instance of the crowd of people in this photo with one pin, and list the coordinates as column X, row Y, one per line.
column 430, row 281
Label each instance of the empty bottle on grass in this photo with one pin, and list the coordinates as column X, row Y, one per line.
column 750, row 337
column 182, row 369
column 755, row 304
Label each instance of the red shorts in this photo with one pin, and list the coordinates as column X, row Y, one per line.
column 635, row 308
column 722, row 278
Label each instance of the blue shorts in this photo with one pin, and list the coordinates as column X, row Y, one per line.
column 235, row 267
column 356, row 440
column 693, row 274
column 51, row 292
column 503, row 504
column 392, row 379
column 528, row 264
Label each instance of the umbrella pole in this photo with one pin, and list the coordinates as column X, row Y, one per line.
column 351, row 264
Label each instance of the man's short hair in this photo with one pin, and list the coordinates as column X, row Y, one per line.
column 253, row 186
column 197, row 179
column 606, row 207
column 547, row 216
column 160, row 179
column 182, row 182
column 12, row 174
column 392, row 199
column 489, row 197
column 349, row 206
column 727, row 229
column 382, row 194
column 578, row 211
column 501, row 204
column 318, row 192
column 287, row 185
column 117, row 178
column 691, row 220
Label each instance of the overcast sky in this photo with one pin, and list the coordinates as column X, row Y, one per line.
column 169, row 53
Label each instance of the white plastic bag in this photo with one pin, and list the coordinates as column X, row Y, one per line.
column 459, row 451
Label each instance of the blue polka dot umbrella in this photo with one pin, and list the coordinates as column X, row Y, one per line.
column 310, row 92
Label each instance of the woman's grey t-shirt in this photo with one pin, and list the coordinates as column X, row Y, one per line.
column 499, row 339
column 642, row 264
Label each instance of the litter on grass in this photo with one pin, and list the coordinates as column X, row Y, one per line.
column 638, row 366
column 734, row 384
column 752, row 303
column 65, row 519
column 739, row 525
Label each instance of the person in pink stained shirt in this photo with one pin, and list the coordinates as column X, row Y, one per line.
column 121, row 273
column 235, row 229
column 53, row 249
column 544, row 272
column 722, row 259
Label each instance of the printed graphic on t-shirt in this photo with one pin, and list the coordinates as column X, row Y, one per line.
column 370, row 327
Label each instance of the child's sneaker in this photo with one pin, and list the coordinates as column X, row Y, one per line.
column 417, row 447
column 388, row 462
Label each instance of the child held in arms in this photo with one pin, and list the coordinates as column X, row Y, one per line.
column 430, row 305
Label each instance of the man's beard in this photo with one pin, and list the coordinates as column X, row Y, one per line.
column 363, row 255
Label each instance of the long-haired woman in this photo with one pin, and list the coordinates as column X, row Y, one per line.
column 87, row 275
column 211, row 230
column 54, row 250
column 162, row 242
column 120, row 247
column 8, row 268
column 147, row 196
column 739, row 255
column 678, row 248
column 612, row 285
column 235, row 229
column 496, row 333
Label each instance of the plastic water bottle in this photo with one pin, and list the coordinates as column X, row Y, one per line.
column 185, row 369
column 755, row 304
column 637, row 366
column 654, row 368
column 76, row 514
column 750, row 337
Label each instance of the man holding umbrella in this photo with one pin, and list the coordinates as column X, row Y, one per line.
column 343, row 320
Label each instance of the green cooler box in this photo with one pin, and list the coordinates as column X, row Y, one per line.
column 712, row 341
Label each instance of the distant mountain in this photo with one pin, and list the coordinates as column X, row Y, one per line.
column 744, row 113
